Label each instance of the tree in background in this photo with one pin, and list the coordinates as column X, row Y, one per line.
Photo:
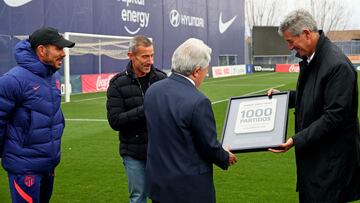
column 263, row 13
column 329, row 14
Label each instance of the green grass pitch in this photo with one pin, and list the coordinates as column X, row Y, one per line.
column 91, row 169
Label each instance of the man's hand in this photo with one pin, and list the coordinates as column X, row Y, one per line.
column 283, row 147
column 232, row 157
column 272, row 91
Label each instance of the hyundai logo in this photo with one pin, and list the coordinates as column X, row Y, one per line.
column 174, row 18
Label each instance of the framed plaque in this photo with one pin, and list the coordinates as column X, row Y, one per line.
column 256, row 123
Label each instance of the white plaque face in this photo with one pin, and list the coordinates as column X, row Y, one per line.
column 256, row 116
column 256, row 122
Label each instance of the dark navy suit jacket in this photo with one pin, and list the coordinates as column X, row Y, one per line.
column 182, row 143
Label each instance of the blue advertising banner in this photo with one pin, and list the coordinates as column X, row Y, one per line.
column 227, row 28
column 182, row 19
column 220, row 24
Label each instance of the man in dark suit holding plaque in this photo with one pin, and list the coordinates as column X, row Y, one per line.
column 326, row 136
column 182, row 135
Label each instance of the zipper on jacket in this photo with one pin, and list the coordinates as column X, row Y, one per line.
column 142, row 92
column 151, row 76
column 141, row 89
column 52, row 93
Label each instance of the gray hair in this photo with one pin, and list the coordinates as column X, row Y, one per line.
column 139, row 40
column 297, row 21
column 189, row 55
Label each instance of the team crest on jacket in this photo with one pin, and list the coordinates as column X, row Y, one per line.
column 58, row 85
column 29, row 180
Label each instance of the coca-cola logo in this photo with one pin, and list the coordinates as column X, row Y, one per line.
column 103, row 83
column 218, row 71
column 294, row 68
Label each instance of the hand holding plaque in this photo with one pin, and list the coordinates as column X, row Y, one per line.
column 256, row 123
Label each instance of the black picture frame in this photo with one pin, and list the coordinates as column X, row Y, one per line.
column 251, row 125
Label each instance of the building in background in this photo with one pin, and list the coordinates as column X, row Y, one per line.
column 267, row 48
column 349, row 42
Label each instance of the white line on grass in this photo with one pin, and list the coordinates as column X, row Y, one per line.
column 85, row 119
column 263, row 90
column 82, row 100
column 236, row 78
column 216, row 102
column 239, row 85
column 204, row 83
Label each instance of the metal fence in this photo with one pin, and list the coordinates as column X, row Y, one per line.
column 350, row 47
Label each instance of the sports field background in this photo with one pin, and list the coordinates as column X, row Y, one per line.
column 91, row 169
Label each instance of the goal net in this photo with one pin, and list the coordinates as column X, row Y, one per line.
column 92, row 54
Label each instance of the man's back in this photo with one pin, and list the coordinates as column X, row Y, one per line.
column 182, row 142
